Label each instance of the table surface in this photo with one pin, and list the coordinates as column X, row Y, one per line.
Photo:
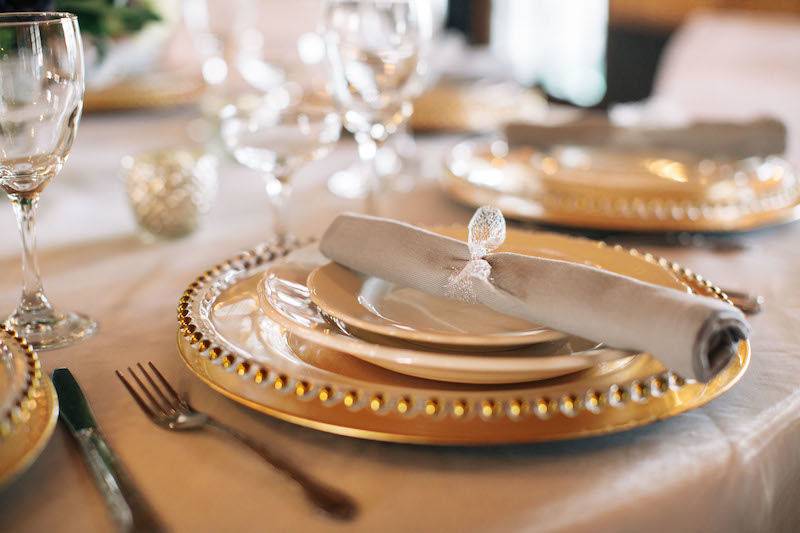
column 732, row 465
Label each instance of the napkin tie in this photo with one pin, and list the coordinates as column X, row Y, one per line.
column 487, row 231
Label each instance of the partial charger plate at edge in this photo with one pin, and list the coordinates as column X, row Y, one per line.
column 28, row 428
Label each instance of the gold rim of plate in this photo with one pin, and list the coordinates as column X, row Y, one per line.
column 639, row 394
column 457, row 107
column 139, row 94
column 592, row 211
column 31, row 424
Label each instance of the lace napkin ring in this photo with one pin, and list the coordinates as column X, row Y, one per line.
column 487, row 231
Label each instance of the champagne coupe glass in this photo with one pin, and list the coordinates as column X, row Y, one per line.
column 41, row 98
column 276, row 134
column 373, row 50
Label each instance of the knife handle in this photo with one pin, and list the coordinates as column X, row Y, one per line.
column 129, row 509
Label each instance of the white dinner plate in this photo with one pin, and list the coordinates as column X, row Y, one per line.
column 374, row 305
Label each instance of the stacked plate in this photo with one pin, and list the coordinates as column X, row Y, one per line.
column 413, row 333
column 28, row 406
column 283, row 331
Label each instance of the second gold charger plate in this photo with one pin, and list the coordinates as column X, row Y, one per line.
column 227, row 341
column 592, row 189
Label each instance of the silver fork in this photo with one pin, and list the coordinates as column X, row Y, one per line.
column 171, row 411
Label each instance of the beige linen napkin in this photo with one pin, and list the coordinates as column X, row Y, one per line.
column 693, row 335
column 733, row 140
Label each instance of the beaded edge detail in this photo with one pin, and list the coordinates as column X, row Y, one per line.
column 26, row 400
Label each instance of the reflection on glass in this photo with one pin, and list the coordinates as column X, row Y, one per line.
column 41, row 98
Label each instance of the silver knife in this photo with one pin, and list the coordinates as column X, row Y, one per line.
column 128, row 507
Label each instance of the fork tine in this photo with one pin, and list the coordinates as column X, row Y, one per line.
column 166, row 384
column 138, row 399
column 146, row 392
column 172, row 405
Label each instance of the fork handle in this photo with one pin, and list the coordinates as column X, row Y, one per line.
column 326, row 498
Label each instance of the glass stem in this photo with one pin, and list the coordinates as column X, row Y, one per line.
column 33, row 301
column 367, row 151
column 279, row 192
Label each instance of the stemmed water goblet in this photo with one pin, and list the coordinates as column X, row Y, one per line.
column 41, row 98
column 373, row 50
column 226, row 36
column 276, row 134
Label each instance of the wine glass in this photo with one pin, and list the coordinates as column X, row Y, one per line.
column 373, row 50
column 225, row 33
column 276, row 134
column 41, row 98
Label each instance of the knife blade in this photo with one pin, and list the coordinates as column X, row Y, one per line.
column 127, row 505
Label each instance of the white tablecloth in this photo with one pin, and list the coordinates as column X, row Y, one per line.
column 730, row 466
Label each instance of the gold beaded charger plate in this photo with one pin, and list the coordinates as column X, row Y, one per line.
column 26, row 427
column 374, row 305
column 585, row 188
column 228, row 342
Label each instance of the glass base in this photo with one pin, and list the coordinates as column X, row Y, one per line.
column 63, row 329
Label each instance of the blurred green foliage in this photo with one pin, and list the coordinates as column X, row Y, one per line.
column 109, row 19
column 99, row 20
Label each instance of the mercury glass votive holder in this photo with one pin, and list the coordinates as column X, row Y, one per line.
column 170, row 190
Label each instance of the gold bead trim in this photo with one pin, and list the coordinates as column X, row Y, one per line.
column 212, row 282
column 664, row 209
column 25, row 402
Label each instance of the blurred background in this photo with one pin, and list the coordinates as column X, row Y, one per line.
column 588, row 53
column 621, row 40
column 483, row 64
column 584, row 52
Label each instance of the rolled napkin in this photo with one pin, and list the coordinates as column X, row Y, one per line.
column 694, row 336
column 732, row 140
